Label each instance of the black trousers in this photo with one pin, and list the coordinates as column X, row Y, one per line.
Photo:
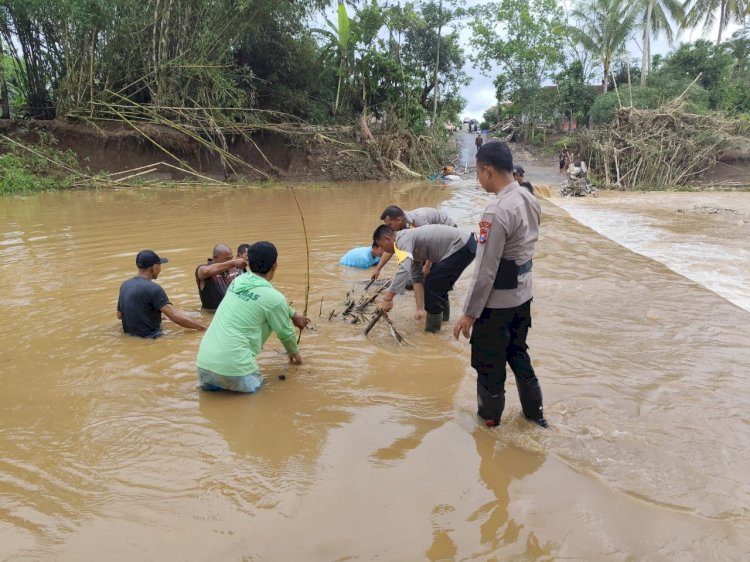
column 499, row 337
column 444, row 274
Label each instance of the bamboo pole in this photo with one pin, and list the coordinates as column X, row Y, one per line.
column 307, row 254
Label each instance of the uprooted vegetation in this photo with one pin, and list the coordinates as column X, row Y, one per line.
column 668, row 146
column 132, row 145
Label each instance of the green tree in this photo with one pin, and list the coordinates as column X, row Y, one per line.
column 603, row 27
column 704, row 11
column 713, row 63
column 523, row 39
column 575, row 96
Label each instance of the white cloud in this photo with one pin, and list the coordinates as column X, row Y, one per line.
column 480, row 96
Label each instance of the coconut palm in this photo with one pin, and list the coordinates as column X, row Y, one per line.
column 656, row 17
column 730, row 11
column 603, row 28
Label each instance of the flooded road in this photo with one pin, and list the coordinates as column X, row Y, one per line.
column 371, row 450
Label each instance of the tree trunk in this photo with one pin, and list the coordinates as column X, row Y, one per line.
column 433, row 124
column 646, row 59
column 606, row 75
column 4, row 101
column 722, row 19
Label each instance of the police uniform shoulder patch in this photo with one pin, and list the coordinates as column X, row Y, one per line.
column 484, row 231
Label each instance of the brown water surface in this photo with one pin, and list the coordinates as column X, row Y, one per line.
column 368, row 450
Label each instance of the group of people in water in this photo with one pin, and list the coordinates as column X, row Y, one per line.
column 431, row 252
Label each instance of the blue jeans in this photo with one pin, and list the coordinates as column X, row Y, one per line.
column 211, row 381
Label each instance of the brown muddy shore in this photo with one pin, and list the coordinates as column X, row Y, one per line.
column 288, row 152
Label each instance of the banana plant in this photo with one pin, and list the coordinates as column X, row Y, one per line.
column 340, row 43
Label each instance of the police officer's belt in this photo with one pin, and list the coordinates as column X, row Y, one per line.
column 508, row 272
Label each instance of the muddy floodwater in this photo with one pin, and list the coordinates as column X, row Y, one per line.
column 369, row 450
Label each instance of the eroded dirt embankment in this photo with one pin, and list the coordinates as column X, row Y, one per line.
column 289, row 152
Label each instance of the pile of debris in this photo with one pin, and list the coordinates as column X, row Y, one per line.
column 667, row 146
column 504, row 130
column 363, row 310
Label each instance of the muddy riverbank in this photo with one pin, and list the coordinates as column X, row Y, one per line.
column 290, row 152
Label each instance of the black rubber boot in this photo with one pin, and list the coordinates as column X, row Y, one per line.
column 433, row 322
column 490, row 406
column 447, row 311
column 530, row 394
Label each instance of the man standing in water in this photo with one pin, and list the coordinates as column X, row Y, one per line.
column 497, row 312
column 250, row 311
column 518, row 173
column 445, row 251
column 216, row 274
column 142, row 302
column 398, row 220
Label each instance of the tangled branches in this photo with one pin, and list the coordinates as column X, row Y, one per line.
column 664, row 146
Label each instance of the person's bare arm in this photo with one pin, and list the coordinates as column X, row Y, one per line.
column 179, row 318
column 419, row 300
column 381, row 264
column 211, row 269
column 387, row 303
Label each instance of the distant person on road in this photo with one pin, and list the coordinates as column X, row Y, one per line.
column 142, row 302
column 216, row 274
column 518, row 173
column 249, row 312
column 497, row 311
column 363, row 258
column 478, row 141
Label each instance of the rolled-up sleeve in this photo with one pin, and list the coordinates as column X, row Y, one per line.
column 398, row 285
column 488, row 258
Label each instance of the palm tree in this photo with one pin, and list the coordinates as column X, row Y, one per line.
column 656, row 17
column 730, row 11
column 603, row 27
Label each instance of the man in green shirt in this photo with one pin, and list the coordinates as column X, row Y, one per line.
column 249, row 312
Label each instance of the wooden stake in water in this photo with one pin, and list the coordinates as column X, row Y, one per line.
column 307, row 254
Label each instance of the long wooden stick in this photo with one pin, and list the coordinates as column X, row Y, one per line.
column 307, row 253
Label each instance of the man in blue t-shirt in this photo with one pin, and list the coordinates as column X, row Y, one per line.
column 142, row 302
column 363, row 257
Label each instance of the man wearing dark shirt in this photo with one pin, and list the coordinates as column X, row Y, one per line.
column 142, row 302
column 216, row 274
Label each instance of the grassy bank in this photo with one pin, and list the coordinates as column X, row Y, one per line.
column 35, row 168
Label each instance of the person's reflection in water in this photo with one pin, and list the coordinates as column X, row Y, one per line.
column 498, row 467
column 268, row 433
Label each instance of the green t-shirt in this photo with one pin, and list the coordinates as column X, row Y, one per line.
column 247, row 315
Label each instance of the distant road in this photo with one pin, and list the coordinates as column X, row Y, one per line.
column 466, row 152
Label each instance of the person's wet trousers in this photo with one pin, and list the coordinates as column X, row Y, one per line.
column 499, row 337
column 444, row 275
